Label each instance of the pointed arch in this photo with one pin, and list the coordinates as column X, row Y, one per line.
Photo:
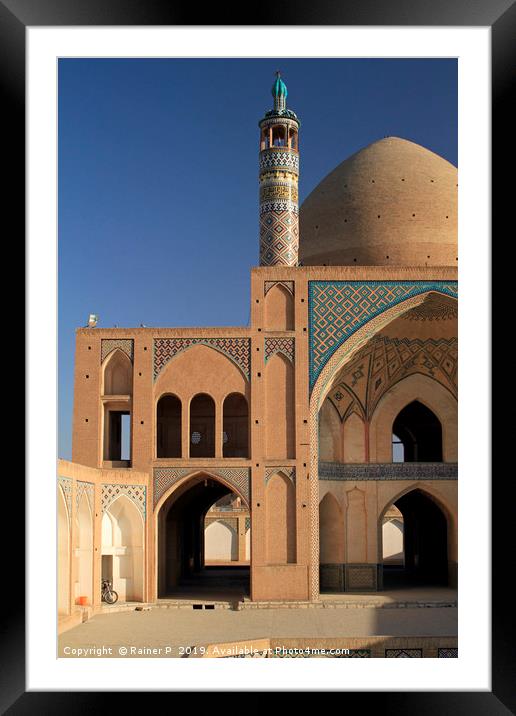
column 169, row 413
column 279, row 309
column 353, row 439
column 330, row 433
column 428, row 537
column 235, row 426
column 123, row 544
column 63, row 554
column 279, row 408
column 430, row 393
column 117, row 374
column 331, row 531
column 220, row 542
column 84, row 550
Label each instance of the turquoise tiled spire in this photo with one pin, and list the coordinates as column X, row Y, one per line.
column 279, row 92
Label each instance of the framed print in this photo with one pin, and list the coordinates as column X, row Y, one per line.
column 297, row 477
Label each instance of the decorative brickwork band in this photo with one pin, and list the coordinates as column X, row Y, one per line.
column 389, row 471
column 337, row 309
column 236, row 349
column 166, row 477
column 289, row 285
column 286, row 346
column 289, row 472
column 136, row 493
column 89, row 489
column 109, row 344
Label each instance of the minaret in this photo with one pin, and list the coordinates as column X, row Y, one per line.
column 279, row 173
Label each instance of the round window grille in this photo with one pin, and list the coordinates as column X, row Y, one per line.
column 196, row 438
column 225, row 437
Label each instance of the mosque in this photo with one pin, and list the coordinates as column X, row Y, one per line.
column 312, row 452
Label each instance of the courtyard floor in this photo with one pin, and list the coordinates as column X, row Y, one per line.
column 169, row 629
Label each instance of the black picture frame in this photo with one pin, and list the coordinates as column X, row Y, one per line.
column 500, row 16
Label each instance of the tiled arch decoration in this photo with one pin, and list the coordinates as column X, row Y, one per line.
column 368, row 321
column 237, row 350
column 338, row 309
column 166, row 477
column 136, row 493
column 108, row 345
column 285, row 346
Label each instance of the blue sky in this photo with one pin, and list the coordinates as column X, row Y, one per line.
column 158, row 176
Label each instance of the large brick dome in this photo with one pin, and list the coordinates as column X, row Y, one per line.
column 392, row 203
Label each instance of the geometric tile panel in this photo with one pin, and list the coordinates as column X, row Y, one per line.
column 289, row 472
column 279, row 237
column 360, row 576
column 136, row 493
column 447, row 653
column 237, row 349
column 337, row 309
column 165, row 477
column 109, row 344
column 403, row 653
column 279, row 345
column 247, row 523
column 81, row 488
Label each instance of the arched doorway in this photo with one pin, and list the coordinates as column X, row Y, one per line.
column 419, row 555
column 417, row 435
column 185, row 568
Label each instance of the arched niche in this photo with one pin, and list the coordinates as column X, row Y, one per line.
column 168, row 426
column 279, row 309
column 280, row 520
column 433, row 395
column 122, row 548
column 331, row 531
column 356, row 526
column 84, row 550
column 220, row 543
column 353, row 438
column 279, row 408
column 63, row 555
column 235, row 441
column 330, row 433
column 117, row 374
